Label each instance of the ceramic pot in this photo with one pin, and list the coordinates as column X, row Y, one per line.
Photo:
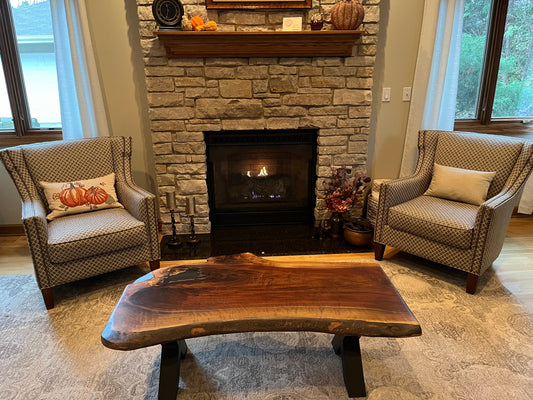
column 358, row 237
column 317, row 25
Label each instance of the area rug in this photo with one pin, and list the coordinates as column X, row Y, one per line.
column 472, row 347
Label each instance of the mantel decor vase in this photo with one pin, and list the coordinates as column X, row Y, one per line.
column 336, row 223
column 316, row 25
column 347, row 14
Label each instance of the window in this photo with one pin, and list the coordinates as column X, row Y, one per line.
column 29, row 98
column 496, row 67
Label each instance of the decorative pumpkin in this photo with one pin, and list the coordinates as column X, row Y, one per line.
column 95, row 195
column 208, row 26
column 347, row 14
column 196, row 21
column 73, row 196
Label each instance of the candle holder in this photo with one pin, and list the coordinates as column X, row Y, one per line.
column 193, row 239
column 174, row 242
column 171, row 204
column 190, row 209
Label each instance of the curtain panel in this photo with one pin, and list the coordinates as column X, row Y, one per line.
column 436, row 75
column 83, row 112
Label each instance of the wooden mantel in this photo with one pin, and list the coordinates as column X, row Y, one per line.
column 181, row 44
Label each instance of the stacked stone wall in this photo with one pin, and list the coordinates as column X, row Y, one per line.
column 189, row 96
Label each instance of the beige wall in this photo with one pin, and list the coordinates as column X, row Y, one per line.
column 398, row 39
column 119, row 58
column 116, row 42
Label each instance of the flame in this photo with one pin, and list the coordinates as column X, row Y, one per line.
column 263, row 172
column 248, row 174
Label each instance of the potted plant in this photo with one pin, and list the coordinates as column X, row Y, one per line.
column 343, row 191
column 317, row 21
column 358, row 229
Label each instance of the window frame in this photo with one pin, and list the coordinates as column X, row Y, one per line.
column 23, row 133
column 489, row 79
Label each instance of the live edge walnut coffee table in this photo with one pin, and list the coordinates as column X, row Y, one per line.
column 245, row 293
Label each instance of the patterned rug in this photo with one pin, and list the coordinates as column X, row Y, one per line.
column 472, row 347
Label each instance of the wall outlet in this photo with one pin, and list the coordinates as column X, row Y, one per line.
column 386, row 94
column 406, row 94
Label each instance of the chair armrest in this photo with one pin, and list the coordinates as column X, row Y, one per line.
column 135, row 199
column 494, row 213
column 36, row 229
column 142, row 205
column 34, row 211
column 399, row 191
column 491, row 227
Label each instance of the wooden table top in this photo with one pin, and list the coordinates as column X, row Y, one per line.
column 245, row 293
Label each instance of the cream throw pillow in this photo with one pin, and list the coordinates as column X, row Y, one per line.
column 81, row 196
column 465, row 185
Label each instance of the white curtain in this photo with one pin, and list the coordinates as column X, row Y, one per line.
column 436, row 75
column 83, row 112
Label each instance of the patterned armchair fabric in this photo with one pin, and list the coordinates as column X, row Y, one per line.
column 78, row 246
column 463, row 236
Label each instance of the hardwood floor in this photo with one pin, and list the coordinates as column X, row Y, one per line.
column 15, row 256
column 514, row 266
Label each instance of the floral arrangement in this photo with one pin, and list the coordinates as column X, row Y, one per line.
column 317, row 17
column 344, row 190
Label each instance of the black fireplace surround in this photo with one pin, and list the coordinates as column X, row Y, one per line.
column 261, row 177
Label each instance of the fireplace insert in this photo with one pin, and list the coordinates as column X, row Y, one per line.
column 261, row 177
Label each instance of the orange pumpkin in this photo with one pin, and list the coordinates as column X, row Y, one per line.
column 209, row 26
column 196, row 21
column 72, row 196
column 96, row 195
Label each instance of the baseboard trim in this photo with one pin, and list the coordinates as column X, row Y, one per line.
column 11, row 230
column 516, row 214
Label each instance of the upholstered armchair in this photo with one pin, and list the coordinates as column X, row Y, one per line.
column 77, row 246
column 442, row 228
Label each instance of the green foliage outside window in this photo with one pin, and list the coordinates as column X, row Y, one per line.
column 514, row 91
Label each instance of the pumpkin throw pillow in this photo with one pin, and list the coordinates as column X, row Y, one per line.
column 81, row 196
column 465, row 185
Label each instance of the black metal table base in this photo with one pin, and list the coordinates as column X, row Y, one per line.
column 347, row 347
column 169, row 373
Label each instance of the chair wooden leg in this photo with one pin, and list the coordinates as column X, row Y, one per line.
column 379, row 250
column 48, row 297
column 471, row 283
column 154, row 264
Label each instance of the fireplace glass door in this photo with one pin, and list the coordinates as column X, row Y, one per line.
column 261, row 177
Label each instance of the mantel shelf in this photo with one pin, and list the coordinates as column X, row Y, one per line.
column 182, row 44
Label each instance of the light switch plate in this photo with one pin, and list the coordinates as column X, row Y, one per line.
column 386, row 94
column 406, row 94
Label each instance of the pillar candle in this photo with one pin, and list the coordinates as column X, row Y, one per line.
column 189, row 205
column 171, row 200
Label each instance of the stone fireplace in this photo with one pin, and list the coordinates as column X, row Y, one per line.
column 192, row 98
